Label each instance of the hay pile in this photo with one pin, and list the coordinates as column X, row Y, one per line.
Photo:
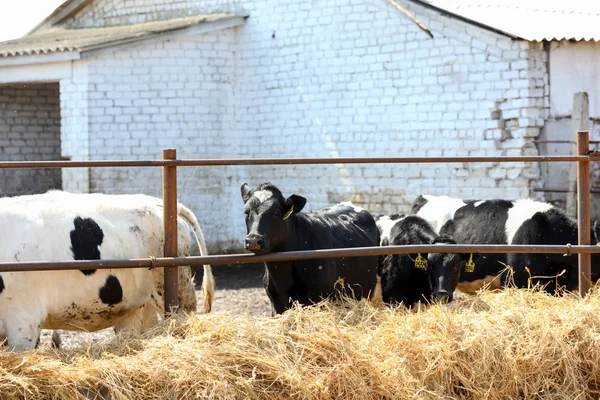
column 512, row 344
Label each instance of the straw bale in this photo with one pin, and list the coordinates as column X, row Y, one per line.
column 514, row 344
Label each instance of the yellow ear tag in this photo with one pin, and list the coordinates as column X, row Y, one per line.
column 287, row 214
column 470, row 265
column 420, row 262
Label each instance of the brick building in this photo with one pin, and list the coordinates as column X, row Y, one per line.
column 121, row 79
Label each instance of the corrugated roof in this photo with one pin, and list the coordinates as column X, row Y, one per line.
column 63, row 40
column 534, row 20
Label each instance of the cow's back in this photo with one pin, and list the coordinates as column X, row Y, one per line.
column 341, row 226
column 437, row 210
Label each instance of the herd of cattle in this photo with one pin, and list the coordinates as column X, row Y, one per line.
column 59, row 226
column 275, row 223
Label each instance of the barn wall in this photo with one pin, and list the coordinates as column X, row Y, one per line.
column 171, row 94
column 29, row 130
column 573, row 67
column 74, row 94
column 321, row 78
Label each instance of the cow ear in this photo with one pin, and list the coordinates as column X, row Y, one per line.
column 296, row 201
column 245, row 191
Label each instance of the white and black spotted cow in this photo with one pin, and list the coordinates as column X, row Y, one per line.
column 275, row 223
column 516, row 222
column 405, row 278
column 437, row 210
column 62, row 226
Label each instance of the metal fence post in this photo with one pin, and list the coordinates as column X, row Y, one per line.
column 583, row 211
column 169, row 182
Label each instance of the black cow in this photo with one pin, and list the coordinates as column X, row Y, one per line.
column 405, row 278
column 275, row 223
column 526, row 222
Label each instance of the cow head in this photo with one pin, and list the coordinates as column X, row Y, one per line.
column 444, row 270
column 267, row 216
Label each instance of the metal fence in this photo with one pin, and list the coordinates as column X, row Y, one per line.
column 171, row 262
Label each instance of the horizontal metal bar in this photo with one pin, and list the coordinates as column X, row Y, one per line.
column 287, row 161
column 560, row 190
column 226, row 259
column 81, row 164
column 383, row 160
column 563, row 141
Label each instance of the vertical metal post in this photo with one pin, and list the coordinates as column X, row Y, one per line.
column 583, row 212
column 170, row 230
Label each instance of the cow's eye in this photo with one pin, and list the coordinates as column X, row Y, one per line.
column 277, row 214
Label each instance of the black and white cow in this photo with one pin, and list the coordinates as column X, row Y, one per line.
column 437, row 210
column 275, row 223
column 408, row 278
column 525, row 222
column 384, row 225
column 59, row 226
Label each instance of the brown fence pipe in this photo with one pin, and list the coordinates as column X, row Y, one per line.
column 561, row 190
column 81, row 164
column 583, row 212
column 169, row 184
column 378, row 160
column 288, row 161
column 562, row 141
column 225, row 259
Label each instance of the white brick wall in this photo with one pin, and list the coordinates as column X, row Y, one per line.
column 29, row 130
column 317, row 79
column 74, row 93
column 162, row 95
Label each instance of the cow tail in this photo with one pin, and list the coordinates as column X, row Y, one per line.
column 208, row 280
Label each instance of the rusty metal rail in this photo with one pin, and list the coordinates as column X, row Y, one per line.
column 226, row 259
column 562, row 141
column 289, row 161
column 560, row 190
column 169, row 164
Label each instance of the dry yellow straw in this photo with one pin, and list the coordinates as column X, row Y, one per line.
column 511, row 344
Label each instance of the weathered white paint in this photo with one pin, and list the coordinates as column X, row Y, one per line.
column 204, row 27
column 47, row 72
column 574, row 67
column 36, row 59
column 521, row 211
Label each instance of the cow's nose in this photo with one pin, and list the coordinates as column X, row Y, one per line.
column 443, row 296
column 254, row 243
